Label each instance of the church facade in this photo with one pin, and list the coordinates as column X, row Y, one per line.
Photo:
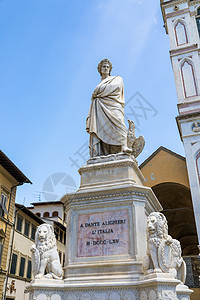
column 182, row 24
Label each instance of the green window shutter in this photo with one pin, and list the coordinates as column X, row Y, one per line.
column 29, row 270
column 33, row 230
column 19, row 223
column 13, row 264
column 26, row 229
column 22, row 265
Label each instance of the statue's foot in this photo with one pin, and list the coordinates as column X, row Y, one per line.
column 126, row 150
column 49, row 276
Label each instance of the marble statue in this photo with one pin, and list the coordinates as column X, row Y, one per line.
column 135, row 144
column 105, row 122
column 45, row 255
column 163, row 252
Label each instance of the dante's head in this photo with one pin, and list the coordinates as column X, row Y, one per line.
column 103, row 63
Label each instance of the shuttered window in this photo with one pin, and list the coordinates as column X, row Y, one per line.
column 19, row 223
column 3, row 204
column 13, row 264
column 33, row 230
column 26, row 228
column 22, row 266
column 29, row 269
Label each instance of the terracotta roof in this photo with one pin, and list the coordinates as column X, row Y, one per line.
column 28, row 212
column 161, row 148
column 12, row 169
column 45, row 203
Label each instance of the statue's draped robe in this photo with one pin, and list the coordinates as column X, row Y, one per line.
column 106, row 117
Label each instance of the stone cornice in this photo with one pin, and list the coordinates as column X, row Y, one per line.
column 177, row 13
column 108, row 165
column 127, row 191
column 182, row 50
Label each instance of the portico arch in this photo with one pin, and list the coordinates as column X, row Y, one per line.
column 176, row 201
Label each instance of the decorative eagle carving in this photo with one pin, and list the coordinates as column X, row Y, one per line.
column 136, row 144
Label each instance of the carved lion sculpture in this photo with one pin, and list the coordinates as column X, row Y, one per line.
column 163, row 252
column 45, row 255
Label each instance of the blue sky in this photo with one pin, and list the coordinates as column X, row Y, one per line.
column 48, row 56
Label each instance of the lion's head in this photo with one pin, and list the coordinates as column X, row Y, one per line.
column 157, row 225
column 45, row 237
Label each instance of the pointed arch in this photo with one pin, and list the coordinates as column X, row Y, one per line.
column 180, row 32
column 197, row 159
column 188, row 78
column 198, row 19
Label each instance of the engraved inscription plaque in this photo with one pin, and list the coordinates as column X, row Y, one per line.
column 103, row 233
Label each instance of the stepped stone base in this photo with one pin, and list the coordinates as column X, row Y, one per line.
column 106, row 238
column 156, row 287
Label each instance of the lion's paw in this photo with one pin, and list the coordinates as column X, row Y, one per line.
column 157, row 270
column 150, row 271
column 49, row 276
column 39, row 276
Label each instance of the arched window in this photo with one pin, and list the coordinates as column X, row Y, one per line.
column 180, row 33
column 198, row 20
column 198, row 164
column 55, row 214
column 46, row 214
column 188, row 79
column 38, row 214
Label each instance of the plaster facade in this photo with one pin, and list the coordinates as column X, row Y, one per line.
column 10, row 178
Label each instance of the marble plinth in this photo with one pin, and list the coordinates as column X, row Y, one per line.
column 106, row 235
column 111, row 170
column 106, row 238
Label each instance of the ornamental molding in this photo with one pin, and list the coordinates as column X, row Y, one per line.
column 177, row 13
column 107, row 165
column 183, row 50
column 105, row 196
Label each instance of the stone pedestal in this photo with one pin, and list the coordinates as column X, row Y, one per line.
column 106, row 238
column 106, row 235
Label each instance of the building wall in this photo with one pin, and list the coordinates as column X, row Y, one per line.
column 165, row 167
column 49, row 208
column 21, row 248
column 6, row 183
column 184, row 54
